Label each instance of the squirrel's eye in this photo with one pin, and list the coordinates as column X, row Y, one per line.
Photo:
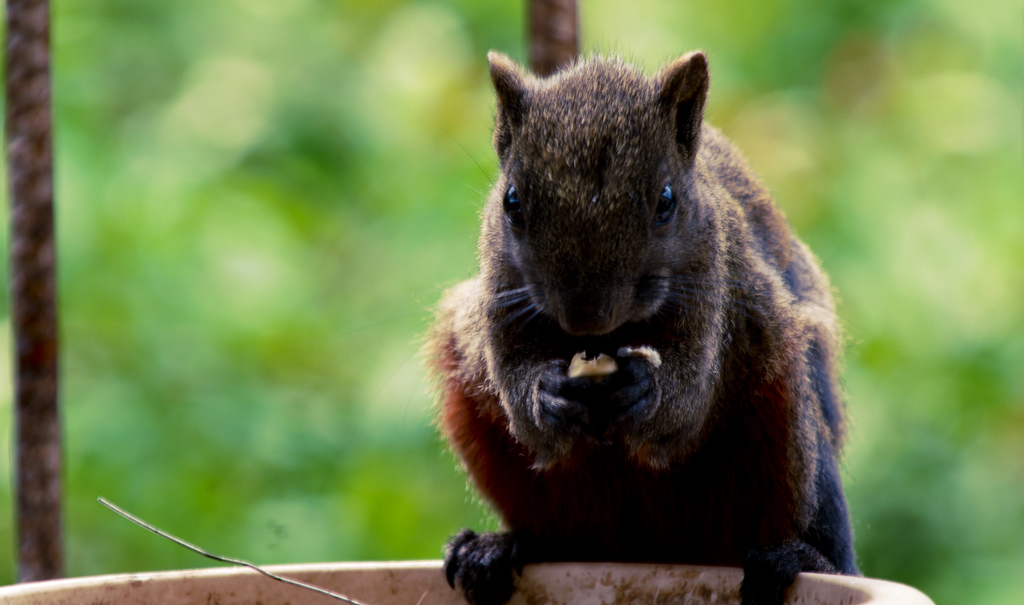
column 666, row 206
column 513, row 207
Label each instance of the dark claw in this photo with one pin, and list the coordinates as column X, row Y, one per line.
column 482, row 566
column 518, row 557
column 769, row 572
column 451, row 557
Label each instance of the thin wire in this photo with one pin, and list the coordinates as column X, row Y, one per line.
column 209, row 555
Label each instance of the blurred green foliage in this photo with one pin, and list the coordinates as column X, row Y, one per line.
column 260, row 201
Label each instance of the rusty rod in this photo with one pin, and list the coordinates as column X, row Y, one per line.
column 33, row 290
column 554, row 34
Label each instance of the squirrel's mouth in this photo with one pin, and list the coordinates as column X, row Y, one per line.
column 564, row 345
column 567, row 327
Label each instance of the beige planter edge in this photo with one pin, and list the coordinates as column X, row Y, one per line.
column 422, row 583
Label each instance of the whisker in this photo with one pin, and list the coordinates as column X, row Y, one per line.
column 513, row 291
column 534, row 315
column 511, row 297
column 508, row 303
column 509, row 319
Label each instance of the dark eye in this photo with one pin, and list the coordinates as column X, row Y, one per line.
column 513, row 207
column 666, row 206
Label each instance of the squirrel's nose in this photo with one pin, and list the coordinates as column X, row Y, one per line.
column 584, row 318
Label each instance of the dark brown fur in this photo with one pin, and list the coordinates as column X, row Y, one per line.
column 728, row 448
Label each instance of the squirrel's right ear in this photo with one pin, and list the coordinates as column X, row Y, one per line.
column 684, row 88
column 510, row 88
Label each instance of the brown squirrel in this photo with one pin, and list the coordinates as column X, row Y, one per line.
column 621, row 221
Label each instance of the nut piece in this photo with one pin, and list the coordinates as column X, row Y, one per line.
column 596, row 368
column 648, row 353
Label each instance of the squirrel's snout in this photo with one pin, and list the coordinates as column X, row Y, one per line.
column 585, row 318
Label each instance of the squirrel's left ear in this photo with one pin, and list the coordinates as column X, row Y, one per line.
column 510, row 88
column 683, row 88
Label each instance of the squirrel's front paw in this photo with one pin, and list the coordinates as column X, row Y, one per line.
column 482, row 566
column 633, row 389
column 561, row 402
column 567, row 406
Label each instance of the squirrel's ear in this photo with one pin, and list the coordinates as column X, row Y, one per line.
column 683, row 90
column 510, row 88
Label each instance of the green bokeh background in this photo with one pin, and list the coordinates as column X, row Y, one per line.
column 259, row 201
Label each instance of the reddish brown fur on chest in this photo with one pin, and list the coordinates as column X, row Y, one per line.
column 732, row 494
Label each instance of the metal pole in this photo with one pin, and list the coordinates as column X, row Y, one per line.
column 33, row 291
column 554, row 34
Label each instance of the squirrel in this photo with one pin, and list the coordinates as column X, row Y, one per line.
column 621, row 222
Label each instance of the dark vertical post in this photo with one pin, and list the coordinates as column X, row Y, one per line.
column 554, row 34
column 33, row 290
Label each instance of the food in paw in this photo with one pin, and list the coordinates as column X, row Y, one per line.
column 597, row 367
column 649, row 353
